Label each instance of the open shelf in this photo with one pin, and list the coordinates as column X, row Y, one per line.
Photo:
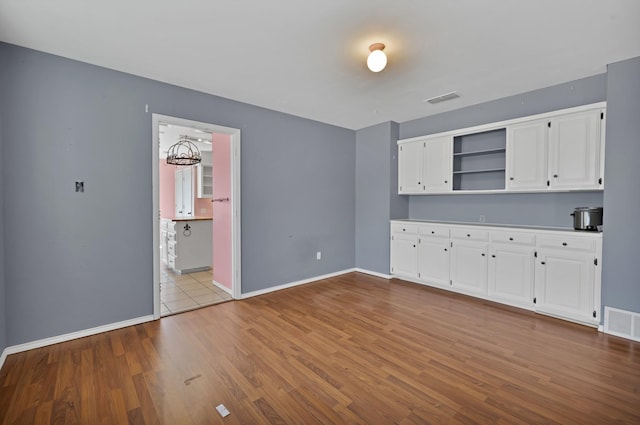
column 479, row 160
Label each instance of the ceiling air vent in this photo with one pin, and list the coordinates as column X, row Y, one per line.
column 442, row 98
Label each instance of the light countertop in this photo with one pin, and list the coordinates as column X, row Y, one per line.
column 498, row 225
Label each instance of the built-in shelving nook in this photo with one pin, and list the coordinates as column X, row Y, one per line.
column 479, row 160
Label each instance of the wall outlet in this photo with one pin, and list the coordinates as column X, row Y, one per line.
column 319, row 255
column 481, row 218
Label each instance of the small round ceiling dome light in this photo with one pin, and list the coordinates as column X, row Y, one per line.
column 377, row 60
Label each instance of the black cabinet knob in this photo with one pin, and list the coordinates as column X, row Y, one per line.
column 468, row 235
column 483, row 254
column 564, row 244
column 555, row 176
column 542, row 262
column 493, row 256
column 510, row 178
column 510, row 239
column 445, row 250
column 433, row 232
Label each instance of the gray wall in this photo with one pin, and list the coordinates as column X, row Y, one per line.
column 538, row 209
column 621, row 265
column 377, row 199
column 3, row 315
column 78, row 261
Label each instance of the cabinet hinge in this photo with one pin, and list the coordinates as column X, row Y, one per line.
column 451, row 282
column 534, row 300
column 424, row 145
column 601, row 117
column 451, row 244
column 535, row 254
column 595, row 261
column 419, row 240
column 548, row 184
column 401, row 148
column 549, row 124
column 600, row 180
column 594, row 314
column 400, row 187
column 391, row 237
column 418, row 274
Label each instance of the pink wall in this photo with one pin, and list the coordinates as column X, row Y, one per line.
column 202, row 206
column 167, row 189
column 222, row 210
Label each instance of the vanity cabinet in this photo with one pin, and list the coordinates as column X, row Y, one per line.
column 554, row 272
column 424, row 166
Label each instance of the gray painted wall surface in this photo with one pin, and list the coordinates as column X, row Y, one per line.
column 377, row 200
column 3, row 315
column 621, row 265
column 536, row 209
column 82, row 260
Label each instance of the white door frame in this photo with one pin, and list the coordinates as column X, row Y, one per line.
column 156, row 119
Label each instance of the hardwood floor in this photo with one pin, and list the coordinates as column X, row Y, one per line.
column 351, row 349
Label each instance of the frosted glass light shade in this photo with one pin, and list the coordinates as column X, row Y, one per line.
column 377, row 60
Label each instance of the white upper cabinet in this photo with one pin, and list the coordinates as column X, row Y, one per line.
column 574, row 150
column 411, row 167
column 560, row 150
column 424, row 166
column 527, row 156
column 437, row 164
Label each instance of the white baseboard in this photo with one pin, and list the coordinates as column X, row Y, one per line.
column 3, row 357
column 73, row 335
column 292, row 284
column 372, row 273
column 224, row 288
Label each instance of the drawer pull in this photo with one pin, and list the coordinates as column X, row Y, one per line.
column 404, row 230
column 483, row 254
column 468, row 235
column 433, row 232
column 445, row 250
column 493, row 256
column 510, row 239
column 564, row 244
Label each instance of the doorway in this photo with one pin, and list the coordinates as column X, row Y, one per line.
column 226, row 239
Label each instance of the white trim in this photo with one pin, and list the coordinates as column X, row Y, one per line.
column 502, row 124
column 74, row 335
column 372, row 273
column 3, row 357
column 292, row 284
column 224, row 288
column 236, row 239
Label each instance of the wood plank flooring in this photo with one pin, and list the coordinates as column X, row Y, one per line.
column 351, row 349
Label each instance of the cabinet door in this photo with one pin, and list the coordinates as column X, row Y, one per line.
column 469, row 267
column 565, row 284
column 437, row 160
column 574, row 150
column 433, row 260
column 527, row 156
column 404, row 255
column 411, row 167
column 511, row 274
column 179, row 200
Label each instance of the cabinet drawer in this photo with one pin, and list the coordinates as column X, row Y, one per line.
column 470, row 234
column 171, row 248
column 171, row 261
column 567, row 243
column 513, row 237
column 171, row 236
column 408, row 228
column 433, row 231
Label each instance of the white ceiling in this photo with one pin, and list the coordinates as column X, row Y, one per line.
column 307, row 57
column 169, row 134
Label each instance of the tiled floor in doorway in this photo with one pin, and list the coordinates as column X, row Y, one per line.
column 183, row 292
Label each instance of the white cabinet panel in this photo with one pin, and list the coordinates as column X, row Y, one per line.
column 437, row 161
column 527, row 156
column 511, row 275
column 410, row 167
column 469, row 267
column 565, row 284
column 433, row 260
column 574, row 150
column 404, row 255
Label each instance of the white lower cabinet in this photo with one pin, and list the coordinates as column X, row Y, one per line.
column 433, row 255
column 404, row 254
column 511, row 276
column 554, row 272
column 469, row 267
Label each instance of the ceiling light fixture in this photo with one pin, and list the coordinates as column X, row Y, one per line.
column 377, row 60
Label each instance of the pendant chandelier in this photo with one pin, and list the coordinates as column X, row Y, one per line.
column 184, row 152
